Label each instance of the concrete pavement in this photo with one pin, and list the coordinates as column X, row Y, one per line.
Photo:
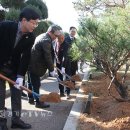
column 60, row 116
column 52, row 118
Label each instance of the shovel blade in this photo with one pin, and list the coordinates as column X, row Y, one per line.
column 76, row 77
column 69, row 84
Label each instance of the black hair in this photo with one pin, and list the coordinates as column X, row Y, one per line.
column 29, row 14
column 72, row 27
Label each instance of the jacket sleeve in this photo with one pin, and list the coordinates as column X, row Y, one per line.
column 47, row 55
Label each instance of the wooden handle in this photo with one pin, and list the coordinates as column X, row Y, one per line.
column 12, row 82
column 7, row 79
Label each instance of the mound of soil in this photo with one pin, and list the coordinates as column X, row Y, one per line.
column 106, row 112
column 51, row 97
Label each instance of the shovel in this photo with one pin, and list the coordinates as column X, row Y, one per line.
column 72, row 78
column 51, row 97
column 66, row 83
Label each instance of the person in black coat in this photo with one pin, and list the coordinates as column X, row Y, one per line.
column 61, row 50
column 16, row 40
column 71, row 65
column 42, row 59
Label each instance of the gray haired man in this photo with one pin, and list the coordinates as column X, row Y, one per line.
column 42, row 59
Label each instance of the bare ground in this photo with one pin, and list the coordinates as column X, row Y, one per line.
column 106, row 112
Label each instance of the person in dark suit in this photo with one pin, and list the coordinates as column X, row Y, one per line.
column 61, row 50
column 42, row 59
column 16, row 40
column 71, row 65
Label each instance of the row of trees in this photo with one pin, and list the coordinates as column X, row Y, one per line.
column 104, row 37
column 12, row 9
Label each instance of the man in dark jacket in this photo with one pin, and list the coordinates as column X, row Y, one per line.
column 71, row 65
column 61, row 49
column 16, row 40
column 42, row 59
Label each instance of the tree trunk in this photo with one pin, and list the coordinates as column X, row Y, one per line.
column 121, row 89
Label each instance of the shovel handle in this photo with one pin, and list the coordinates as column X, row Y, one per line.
column 64, row 73
column 12, row 82
column 60, row 82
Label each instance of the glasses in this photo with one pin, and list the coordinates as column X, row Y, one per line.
column 35, row 24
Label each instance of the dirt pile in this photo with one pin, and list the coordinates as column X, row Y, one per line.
column 51, row 97
column 106, row 112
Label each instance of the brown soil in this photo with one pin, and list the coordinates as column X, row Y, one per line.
column 69, row 84
column 51, row 97
column 76, row 77
column 106, row 112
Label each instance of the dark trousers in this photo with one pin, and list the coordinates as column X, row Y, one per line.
column 15, row 99
column 61, row 87
column 33, row 84
column 71, row 68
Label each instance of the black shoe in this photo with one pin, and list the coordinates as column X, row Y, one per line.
column 24, row 94
column 5, row 108
column 41, row 105
column 62, row 95
column 20, row 124
column 76, row 89
column 68, row 96
column 31, row 101
column 3, row 125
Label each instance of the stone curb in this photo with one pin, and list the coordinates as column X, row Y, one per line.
column 72, row 120
column 77, row 108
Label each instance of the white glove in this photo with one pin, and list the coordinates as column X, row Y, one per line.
column 19, row 83
column 63, row 70
column 53, row 73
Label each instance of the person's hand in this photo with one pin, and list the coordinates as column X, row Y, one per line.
column 53, row 73
column 63, row 70
column 19, row 83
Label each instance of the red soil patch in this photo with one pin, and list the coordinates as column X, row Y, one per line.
column 106, row 112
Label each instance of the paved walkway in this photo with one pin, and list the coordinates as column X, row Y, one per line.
column 52, row 118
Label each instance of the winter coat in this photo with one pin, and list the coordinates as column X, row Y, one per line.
column 71, row 65
column 17, row 57
column 42, row 55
